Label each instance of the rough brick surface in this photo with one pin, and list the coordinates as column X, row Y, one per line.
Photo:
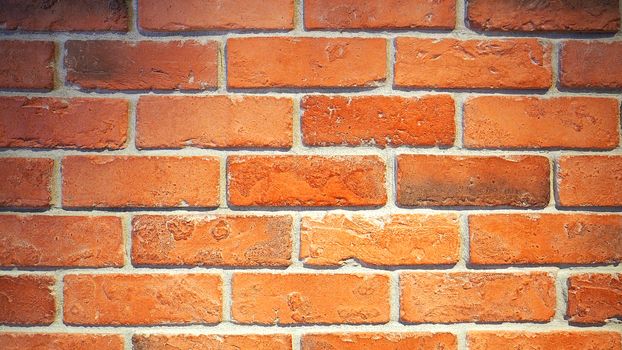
column 379, row 341
column 212, row 240
column 60, row 341
column 64, row 15
column 379, row 14
column 312, row 181
column 219, row 342
column 276, row 62
column 590, row 181
column 214, row 122
column 285, row 299
column 545, row 239
column 465, row 64
column 141, row 299
column 63, row 241
column 476, row 297
column 388, row 240
column 531, row 122
column 378, row 120
column 134, row 181
column 27, row 65
column 590, row 65
column 143, row 65
column 426, row 180
column 543, row 340
column 83, row 123
column 594, row 298
column 199, row 15
column 25, row 182
column 26, row 300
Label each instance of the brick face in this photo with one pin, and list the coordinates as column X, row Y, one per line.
column 594, row 298
column 27, row 65
column 27, row 300
column 590, row 65
column 589, row 181
column 25, row 182
column 543, row 340
column 380, row 341
column 225, row 342
column 60, row 341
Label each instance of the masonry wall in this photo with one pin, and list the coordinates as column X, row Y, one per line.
column 315, row 175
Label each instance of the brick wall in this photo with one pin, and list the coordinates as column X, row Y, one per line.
column 310, row 175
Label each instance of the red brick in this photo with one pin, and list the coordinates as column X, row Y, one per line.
column 545, row 239
column 214, row 121
column 590, row 181
column 46, row 241
column 64, row 15
column 378, row 120
column 212, row 240
column 143, row 65
column 594, row 298
column 476, row 297
column 140, row 181
column 306, row 181
column 591, row 65
column 198, row 15
column 133, row 300
column 379, row 341
column 27, row 64
column 546, row 16
column 279, row 62
column 481, row 181
column 543, row 340
column 219, row 342
column 285, row 299
column 44, row 122
column 25, row 182
column 387, row 240
column 532, row 122
column 466, row 64
column 379, row 14
column 27, row 300
column 60, row 341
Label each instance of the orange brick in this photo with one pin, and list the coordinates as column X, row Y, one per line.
column 197, row 15
column 25, row 182
column 476, row 297
column 224, row 342
column 590, row 65
column 594, row 298
column 212, row 240
column 306, row 181
column 543, row 340
column 64, row 15
column 214, row 121
column 545, row 239
column 60, row 341
column 140, row 181
column 590, row 181
column 482, row 181
column 27, row 300
column 378, row 120
column 310, row 299
column 132, row 300
column 46, row 241
column 27, row 65
column 465, row 64
column 552, row 15
column 379, row 341
column 379, row 14
column 388, row 240
column 43, row 122
column 143, row 65
column 278, row 62
column 531, row 122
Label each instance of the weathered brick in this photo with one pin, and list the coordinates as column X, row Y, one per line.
column 303, row 62
column 143, row 65
column 378, row 120
column 594, row 298
column 482, row 181
column 545, row 239
column 543, row 340
column 476, row 297
column 387, row 240
column 532, row 122
column 590, row 181
column 140, row 181
column 466, row 64
column 379, row 341
column 25, row 182
column 27, row 65
column 44, row 122
column 60, row 341
column 214, row 121
column 590, row 65
column 137, row 299
column 27, row 300
column 285, row 299
column 306, row 181
column 219, row 342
